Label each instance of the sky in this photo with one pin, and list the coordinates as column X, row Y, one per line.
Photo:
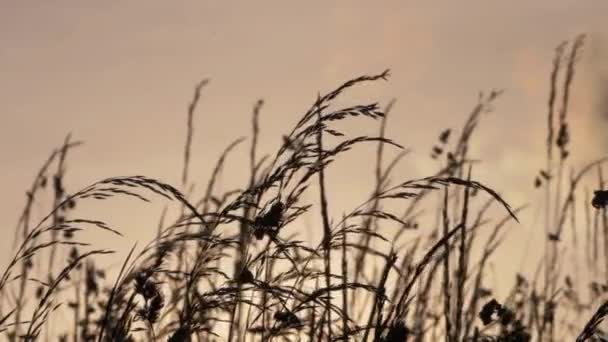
column 120, row 74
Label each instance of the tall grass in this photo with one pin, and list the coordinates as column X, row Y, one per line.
column 230, row 267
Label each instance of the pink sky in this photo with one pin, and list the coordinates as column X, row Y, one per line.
column 119, row 75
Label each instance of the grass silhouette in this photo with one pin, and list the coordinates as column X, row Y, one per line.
column 229, row 269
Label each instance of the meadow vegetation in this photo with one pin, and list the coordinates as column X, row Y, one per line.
column 408, row 264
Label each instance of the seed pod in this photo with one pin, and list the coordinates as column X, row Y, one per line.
column 600, row 199
column 273, row 217
column 258, row 233
column 488, row 310
column 246, row 276
column 444, row 136
column 288, row 318
column 397, row 332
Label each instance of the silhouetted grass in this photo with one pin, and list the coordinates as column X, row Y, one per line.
column 231, row 267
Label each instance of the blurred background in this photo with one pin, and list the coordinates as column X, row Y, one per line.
column 119, row 76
